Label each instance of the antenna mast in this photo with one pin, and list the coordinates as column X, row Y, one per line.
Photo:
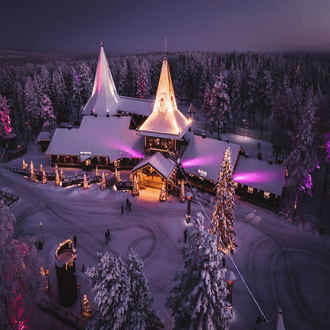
column 165, row 44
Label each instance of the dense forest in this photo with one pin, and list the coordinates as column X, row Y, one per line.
column 254, row 87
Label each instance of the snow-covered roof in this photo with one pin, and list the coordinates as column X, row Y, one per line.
column 165, row 119
column 98, row 136
column 104, row 98
column 163, row 165
column 206, row 155
column 135, row 106
column 260, row 175
column 43, row 136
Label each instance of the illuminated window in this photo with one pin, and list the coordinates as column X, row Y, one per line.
column 164, row 144
column 106, row 161
column 266, row 195
column 157, row 142
column 88, row 162
column 250, row 190
column 171, row 144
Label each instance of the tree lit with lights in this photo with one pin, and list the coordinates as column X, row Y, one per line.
column 224, row 208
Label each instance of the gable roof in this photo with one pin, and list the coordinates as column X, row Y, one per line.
column 166, row 120
column 260, row 175
column 104, row 98
column 98, row 136
column 205, row 154
column 163, row 165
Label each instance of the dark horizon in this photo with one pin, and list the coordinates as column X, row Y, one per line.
column 129, row 27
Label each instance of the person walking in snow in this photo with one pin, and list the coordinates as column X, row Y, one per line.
column 83, row 268
column 122, row 209
column 185, row 236
column 108, row 233
column 129, row 206
column 106, row 237
column 74, row 240
column 127, row 203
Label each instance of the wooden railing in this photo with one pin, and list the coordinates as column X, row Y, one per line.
column 9, row 199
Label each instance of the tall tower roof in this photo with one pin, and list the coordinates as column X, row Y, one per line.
column 166, row 120
column 104, row 99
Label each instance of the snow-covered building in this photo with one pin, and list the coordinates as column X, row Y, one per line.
column 153, row 138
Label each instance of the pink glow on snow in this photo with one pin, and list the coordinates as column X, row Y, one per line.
column 261, row 176
column 199, row 161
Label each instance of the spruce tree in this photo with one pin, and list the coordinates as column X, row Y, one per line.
column 86, row 83
column 219, row 104
column 76, row 100
column 135, row 191
column 123, row 87
column 224, row 208
column 47, row 115
column 140, row 313
column 111, row 285
column 5, row 122
column 198, row 300
column 182, row 194
column 59, row 95
column 143, row 87
column 206, row 108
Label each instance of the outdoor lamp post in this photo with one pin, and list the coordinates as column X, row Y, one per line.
column 230, row 277
column 42, row 233
column 47, row 272
column 80, row 297
column 188, row 215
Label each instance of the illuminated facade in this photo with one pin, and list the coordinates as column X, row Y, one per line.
column 108, row 138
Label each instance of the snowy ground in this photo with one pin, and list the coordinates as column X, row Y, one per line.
column 282, row 265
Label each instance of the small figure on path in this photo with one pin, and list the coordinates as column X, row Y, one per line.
column 74, row 240
column 108, row 233
column 83, row 268
column 129, row 206
column 122, row 209
column 185, row 236
column 127, row 203
column 258, row 145
column 223, row 262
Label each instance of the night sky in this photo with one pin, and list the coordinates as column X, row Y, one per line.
column 133, row 26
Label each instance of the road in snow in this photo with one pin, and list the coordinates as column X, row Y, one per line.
column 282, row 265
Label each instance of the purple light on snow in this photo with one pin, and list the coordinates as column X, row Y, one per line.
column 199, row 161
column 261, row 176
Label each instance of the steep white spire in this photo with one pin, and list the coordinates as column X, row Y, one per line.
column 165, row 119
column 104, row 99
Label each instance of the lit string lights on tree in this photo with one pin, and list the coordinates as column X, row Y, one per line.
column 163, row 193
column 97, row 171
column 135, row 190
column 103, row 182
column 58, row 181
column 32, row 175
column 224, row 208
column 182, row 193
column 25, row 166
column 87, row 313
column 86, row 186
column 44, row 177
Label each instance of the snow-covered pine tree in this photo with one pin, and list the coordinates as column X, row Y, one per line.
column 249, row 88
column 235, row 96
column 32, row 174
column 223, row 216
column 32, row 108
column 21, row 282
column 111, row 285
column 206, row 108
column 220, row 112
column 182, row 194
column 135, row 190
column 87, row 313
column 134, row 74
column 5, row 126
column 43, row 80
column 198, row 300
column 59, row 95
column 47, row 115
column 86, row 85
column 303, row 158
column 76, row 100
column 140, row 313
column 143, row 83
column 103, row 182
column 123, row 87
column 163, row 193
